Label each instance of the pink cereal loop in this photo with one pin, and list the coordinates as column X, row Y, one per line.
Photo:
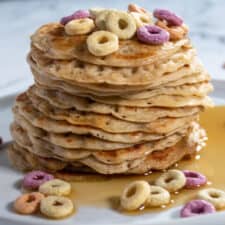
column 194, row 179
column 79, row 14
column 34, row 179
column 171, row 18
column 197, row 207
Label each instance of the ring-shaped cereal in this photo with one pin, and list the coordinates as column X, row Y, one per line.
column 79, row 26
column 171, row 18
column 101, row 43
column 28, row 203
column 34, row 179
column 197, row 207
column 214, row 196
column 176, row 32
column 152, row 35
column 135, row 195
column 172, row 180
column 136, row 8
column 141, row 19
column 158, row 197
column 194, row 179
column 55, row 187
column 79, row 14
column 121, row 23
column 56, row 207
column 100, row 19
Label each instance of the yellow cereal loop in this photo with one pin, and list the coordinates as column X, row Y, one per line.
column 79, row 26
column 172, row 180
column 56, row 207
column 214, row 196
column 55, row 187
column 135, row 195
column 158, row 197
column 141, row 19
column 121, row 23
column 101, row 43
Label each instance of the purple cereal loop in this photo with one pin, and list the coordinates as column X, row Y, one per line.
column 194, row 179
column 171, row 18
column 197, row 207
column 66, row 19
column 79, row 14
column 152, row 35
column 34, row 179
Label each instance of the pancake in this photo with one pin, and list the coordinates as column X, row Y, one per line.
column 64, row 128
column 52, row 40
column 24, row 160
column 76, row 71
column 195, row 72
column 59, row 100
column 42, row 147
column 105, row 122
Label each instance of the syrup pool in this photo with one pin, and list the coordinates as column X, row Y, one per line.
column 102, row 191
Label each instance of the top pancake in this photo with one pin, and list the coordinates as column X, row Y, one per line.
column 53, row 41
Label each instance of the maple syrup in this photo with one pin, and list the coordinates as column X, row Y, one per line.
column 104, row 191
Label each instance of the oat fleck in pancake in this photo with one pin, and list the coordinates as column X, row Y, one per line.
column 125, row 108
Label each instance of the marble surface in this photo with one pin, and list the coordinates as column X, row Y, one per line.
column 19, row 19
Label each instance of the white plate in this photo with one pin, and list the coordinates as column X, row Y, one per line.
column 9, row 190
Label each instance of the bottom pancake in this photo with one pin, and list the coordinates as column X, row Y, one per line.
column 158, row 160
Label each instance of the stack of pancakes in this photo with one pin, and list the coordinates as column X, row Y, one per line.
column 129, row 112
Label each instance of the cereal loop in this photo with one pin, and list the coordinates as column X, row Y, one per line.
column 152, row 35
column 135, row 195
column 56, row 207
column 176, row 33
column 80, row 14
column 136, row 8
column 121, row 23
column 28, row 203
column 101, row 43
column 158, row 197
column 55, row 187
column 197, row 207
column 79, row 26
column 194, row 179
column 34, row 179
column 171, row 18
column 172, row 180
column 214, row 196
column 100, row 19
column 141, row 19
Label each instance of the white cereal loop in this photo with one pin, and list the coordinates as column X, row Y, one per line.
column 121, row 23
column 101, row 43
column 56, row 207
column 135, row 195
column 141, row 19
column 172, row 180
column 95, row 11
column 214, row 196
column 79, row 26
column 55, row 187
column 158, row 197
column 100, row 19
